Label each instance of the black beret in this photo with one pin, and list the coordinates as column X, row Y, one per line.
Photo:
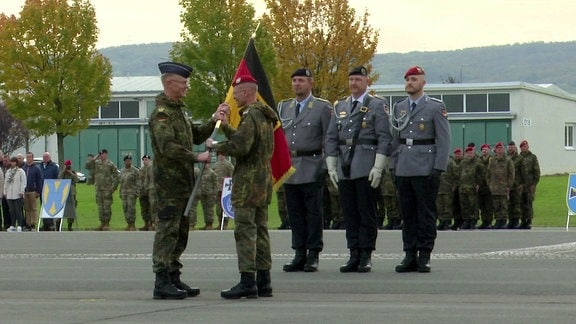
column 127, row 157
column 302, row 72
column 102, row 151
column 145, row 156
column 359, row 70
column 511, row 143
column 175, row 68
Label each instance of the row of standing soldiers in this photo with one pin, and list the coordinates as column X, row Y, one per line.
column 488, row 188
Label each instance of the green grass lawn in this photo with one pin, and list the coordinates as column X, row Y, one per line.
column 549, row 207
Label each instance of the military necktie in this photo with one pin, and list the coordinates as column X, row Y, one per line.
column 412, row 106
column 354, row 104
column 297, row 110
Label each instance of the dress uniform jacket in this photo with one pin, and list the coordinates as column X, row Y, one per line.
column 374, row 135
column 424, row 143
column 305, row 136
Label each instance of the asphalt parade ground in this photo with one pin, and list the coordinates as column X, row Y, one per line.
column 105, row 277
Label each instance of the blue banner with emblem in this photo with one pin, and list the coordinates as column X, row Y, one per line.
column 226, row 200
column 54, row 195
column 571, row 192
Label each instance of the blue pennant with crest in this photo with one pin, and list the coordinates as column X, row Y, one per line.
column 571, row 192
column 54, row 195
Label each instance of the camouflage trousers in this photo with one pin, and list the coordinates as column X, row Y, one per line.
column 129, row 207
column 252, row 239
column 444, row 206
column 171, row 235
column 486, row 207
column 526, row 205
column 390, row 206
column 500, row 207
column 207, row 202
column 145, row 207
column 514, row 204
column 104, row 201
column 469, row 205
column 282, row 209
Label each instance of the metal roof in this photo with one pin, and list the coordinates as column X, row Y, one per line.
column 136, row 84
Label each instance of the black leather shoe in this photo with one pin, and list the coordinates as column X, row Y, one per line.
column 424, row 262
column 408, row 264
column 297, row 264
column 353, row 262
column 311, row 261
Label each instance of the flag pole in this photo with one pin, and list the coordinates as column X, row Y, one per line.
column 199, row 178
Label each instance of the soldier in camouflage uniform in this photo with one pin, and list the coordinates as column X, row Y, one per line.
column 143, row 195
column 206, row 195
column 445, row 196
column 500, row 178
column 106, row 181
column 456, row 212
column 470, row 172
column 151, row 190
column 282, row 209
column 129, row 191
column 530, row 174
column 388, row 203
column 485, row 204
column 251, row 145
column 515, row 191
column 223, row 169
column 173, row 135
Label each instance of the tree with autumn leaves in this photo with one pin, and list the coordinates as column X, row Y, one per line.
column 325, row 36
column 51, row 76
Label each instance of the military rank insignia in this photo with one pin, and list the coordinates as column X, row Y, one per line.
column 421, row 127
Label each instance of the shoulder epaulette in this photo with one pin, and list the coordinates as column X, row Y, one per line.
column 321, row 99
column 435, row 99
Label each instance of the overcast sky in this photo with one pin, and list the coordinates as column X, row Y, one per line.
column 404, row 26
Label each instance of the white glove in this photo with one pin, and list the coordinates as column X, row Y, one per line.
column 376, row 172
column 331, row 164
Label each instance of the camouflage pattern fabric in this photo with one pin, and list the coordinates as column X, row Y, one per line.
column 515, row 194
column 106, row 180
column 530, row 173
column 129, row 190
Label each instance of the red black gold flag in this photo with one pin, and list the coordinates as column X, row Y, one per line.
column 250, row 64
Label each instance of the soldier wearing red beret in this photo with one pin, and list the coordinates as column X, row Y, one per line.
column 421, row 147
column 530, row 175
column 500, row 178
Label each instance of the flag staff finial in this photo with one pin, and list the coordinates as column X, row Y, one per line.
column 255, row 30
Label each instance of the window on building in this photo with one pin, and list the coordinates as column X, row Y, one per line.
column 129, row 109
column 498, row 102
column 150, row 105
column 395, row 99
column 476, row 103
column 569, row 136
column 454, row 103
column 111, row 110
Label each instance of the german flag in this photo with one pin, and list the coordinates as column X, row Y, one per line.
column 250, row 64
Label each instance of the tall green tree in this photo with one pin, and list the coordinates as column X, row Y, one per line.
column 214, row 40
column 51, row 76
column 325, row 36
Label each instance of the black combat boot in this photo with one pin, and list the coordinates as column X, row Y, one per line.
column 297, row 264
column 465, row 224
column 353, row 262
column 164, row 289
column 397, row 224
column 263, row 283
column 365, row 264
column 456, row 225
column 191, row 291
column 512, row 223
column 444, row 225
column 245, row 288
column 409, row 264
column 526, row 224
column 312, row 261
column 424, row 261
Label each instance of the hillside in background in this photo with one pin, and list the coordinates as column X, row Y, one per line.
column 533, row 63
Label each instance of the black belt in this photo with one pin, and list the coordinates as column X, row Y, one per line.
column 417, row 142
column 350, row 141
column 305, row 153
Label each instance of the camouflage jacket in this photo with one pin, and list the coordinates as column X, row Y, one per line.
column 484, row 189
column 105, row 174
column 470, row 174
column 173, row 135
column 517, row 160
column 72, row 176
column 448, row 179
column 208, row 184
column 251, row 144
column 529, row 169
column 500, row 175
column 129, row 181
